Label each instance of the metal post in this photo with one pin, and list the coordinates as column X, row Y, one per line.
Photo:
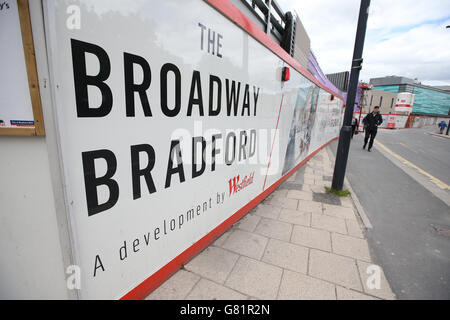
column 448, row 127
column 346, row 130
column 361, row 106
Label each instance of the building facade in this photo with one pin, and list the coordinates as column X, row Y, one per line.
column 340, row 80
column 428, row 99
column 385, row 100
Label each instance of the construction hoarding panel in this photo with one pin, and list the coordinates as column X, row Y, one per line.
column 171, row 119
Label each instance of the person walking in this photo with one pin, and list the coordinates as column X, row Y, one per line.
column 355, row 125
column 442, row 125
column 371, row 122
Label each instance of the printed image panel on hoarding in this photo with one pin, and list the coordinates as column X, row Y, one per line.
column 171, row 119
column 328, row 119
column 300, row 130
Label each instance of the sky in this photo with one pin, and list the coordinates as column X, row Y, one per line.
column 403, row 38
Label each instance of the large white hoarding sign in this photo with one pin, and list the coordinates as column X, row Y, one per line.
column 143, row 90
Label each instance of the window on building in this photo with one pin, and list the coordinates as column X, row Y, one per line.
column 381, row 101
column 392, row 103
column 371, row 100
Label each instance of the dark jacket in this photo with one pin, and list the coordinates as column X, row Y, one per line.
column 372, row 121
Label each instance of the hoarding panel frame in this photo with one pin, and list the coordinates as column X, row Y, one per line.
column 33, row 82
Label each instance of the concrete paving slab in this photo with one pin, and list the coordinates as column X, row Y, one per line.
column 309, row 206
column 280, row 193
column 268, row 211
column 296, row 286
column 312, row 238
column 300, row 195
column 309, row 170
column 291, row 185
column 295, row 217
column 334, row 268
column 321, row 183
column 248, row 222
column 208, row 290
column 291, row 179
column 221, row 240
column 284, row 203
column 308, row 175
column 246, row 243
column 347, row 202
column 329, row 223
column 286, row 255
column 347, row 294
column 176, row 287
column 350, row 247
column 339, row 211
column 213, row 263
column 317, row 189
column 255, row 278
column 354, row 229
column 305, row 187
column 274, row 229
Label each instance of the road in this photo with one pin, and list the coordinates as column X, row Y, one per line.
column 410, row 237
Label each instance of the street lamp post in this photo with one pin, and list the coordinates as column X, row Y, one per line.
column 448, row 126
column 345, row 134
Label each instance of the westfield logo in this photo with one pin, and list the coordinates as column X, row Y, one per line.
column 236, row 184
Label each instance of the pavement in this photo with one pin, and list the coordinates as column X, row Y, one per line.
column 298, row 243
column 403, row 186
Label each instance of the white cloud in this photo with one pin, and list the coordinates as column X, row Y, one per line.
column 406, row 38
